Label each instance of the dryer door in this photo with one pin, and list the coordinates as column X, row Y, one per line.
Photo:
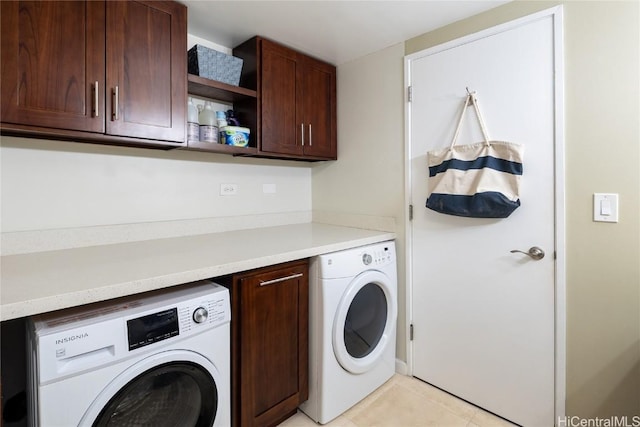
column 167, row 389
column 365, row 321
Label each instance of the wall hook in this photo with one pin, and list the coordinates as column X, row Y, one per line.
column 470, row 95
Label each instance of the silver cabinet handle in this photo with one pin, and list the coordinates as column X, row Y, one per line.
column 302, row 129
column 280, row 279
column 310, row 138
column 534, row 252
column 114, row 102
column 95, row 100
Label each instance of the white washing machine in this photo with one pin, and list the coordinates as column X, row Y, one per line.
column 353, row 302
column 159, row 359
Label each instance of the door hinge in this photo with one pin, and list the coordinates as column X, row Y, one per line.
column 409, row 94
column 410, row 212
column 411, row 332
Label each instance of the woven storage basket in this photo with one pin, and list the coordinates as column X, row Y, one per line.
column 214, row 65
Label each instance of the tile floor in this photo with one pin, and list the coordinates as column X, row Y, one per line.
column 407, row 402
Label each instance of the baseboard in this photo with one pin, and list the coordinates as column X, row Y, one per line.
column 402, row 367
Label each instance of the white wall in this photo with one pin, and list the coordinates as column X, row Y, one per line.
column 52, row 184
column 368, row 178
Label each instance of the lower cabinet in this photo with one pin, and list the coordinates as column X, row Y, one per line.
column 269, row 342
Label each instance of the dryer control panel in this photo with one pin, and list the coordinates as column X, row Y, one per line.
column 351, row 262
column 377, row 256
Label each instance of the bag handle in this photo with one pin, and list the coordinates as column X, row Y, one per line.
column 473, row 100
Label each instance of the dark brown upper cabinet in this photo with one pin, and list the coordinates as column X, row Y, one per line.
column 52, row 59
column 296, row 111
column 108, row 72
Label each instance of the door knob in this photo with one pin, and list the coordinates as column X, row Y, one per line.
column 534, row 252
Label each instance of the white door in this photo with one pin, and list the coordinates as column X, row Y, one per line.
column 483, row 317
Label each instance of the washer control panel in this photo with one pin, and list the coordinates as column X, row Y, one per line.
column 200, row 315
column 210, row 311
column 75, row 339
column 181, row 319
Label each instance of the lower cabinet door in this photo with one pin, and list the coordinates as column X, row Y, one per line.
column 270, row 311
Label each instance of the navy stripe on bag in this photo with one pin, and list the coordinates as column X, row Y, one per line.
column 501, row 165
column 490, row 204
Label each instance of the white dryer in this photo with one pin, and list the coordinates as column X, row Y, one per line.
column 352, row 327
column 159, row 359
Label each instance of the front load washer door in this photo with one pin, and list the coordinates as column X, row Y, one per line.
column 168, row 389
column 364, row 321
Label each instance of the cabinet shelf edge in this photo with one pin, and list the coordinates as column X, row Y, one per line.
column 217, row 90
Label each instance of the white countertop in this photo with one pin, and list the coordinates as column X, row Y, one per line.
column 45, row 281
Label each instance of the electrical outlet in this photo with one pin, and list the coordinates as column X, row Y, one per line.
column 228, row 189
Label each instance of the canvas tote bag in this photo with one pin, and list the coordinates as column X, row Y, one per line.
column 479, row 180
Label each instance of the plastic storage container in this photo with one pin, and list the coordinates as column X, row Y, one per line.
column 221, row 117
column 234, row 135
column 231, row 118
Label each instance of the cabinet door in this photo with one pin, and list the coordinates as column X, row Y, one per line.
column 53, row 67
column 147, row 69
column 280, row 119
column 319, row 108
column 274, row 344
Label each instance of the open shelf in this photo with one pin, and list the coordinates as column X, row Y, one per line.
column 239, row 96
column 217, row 90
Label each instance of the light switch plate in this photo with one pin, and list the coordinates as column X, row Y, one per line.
column 605, row 207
